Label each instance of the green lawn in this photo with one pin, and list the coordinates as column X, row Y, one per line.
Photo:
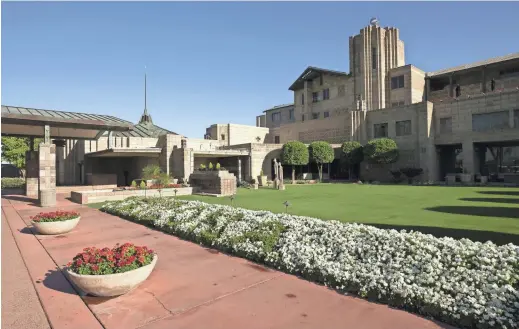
column 473, row 212
column 477, row 213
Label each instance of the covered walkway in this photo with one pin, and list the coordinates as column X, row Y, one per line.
column 191, row 286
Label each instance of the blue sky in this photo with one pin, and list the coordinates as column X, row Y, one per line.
column 218, row 62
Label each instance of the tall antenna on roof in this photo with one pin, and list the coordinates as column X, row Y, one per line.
column 145, row 118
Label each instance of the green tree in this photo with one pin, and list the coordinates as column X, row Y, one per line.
column 352, row 154
column 381, row 151
column 294, row 153
column 321, row 153
column 14, row 149
column 152, row 171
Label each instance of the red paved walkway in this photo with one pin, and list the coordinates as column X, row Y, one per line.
column 191, row 287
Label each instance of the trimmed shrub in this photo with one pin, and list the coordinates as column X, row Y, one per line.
column 320, row 153
column 294, row 154
column 381, row 151
column 411, row 173
column 352, row 154
column 13, row 182
column 151, row 172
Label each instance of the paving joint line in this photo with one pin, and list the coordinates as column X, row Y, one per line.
column 211, row 300
column 57, row 267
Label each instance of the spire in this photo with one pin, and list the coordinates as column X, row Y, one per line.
column 145, row 118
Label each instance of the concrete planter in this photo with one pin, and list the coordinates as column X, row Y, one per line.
column 484, row 179
column 255, row 186
column 466, row 178
column 51, row 228
column 111, row 285
column 451, row 179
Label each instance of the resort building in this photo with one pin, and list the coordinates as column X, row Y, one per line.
column 459, row 120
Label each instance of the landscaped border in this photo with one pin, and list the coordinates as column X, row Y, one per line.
column 465, row 283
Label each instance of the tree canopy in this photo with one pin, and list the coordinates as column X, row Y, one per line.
column 320, row 153
column 381, row 151
column 295, row 153
column 14, row 149
column 352, row 152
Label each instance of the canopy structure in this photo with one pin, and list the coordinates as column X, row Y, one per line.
column 123, row 153
column 29, row 122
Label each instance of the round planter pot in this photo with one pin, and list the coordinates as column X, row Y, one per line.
column 111, row 285
column 56, row 227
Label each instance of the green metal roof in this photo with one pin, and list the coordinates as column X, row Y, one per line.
column 144, row 129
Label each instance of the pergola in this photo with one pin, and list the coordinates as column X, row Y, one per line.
column 51, row 124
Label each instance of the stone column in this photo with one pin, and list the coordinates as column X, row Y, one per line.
column 239, row 170
column 47, row 172
column 468, row 156
column 427, row 88
column 32, row 169
column 483, row 80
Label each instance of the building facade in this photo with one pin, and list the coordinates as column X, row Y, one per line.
column 459, row 120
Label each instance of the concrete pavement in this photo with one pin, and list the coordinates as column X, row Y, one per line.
column 191, row 286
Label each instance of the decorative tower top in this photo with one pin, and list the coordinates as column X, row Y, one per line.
column 145, row 117
column 373, row 21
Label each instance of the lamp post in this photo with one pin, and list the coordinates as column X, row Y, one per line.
column 175, row 197
column 287, row 204
column 232, row 197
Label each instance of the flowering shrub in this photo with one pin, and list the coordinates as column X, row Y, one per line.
column 94, row 261
column 465, row 283
column 161, row 186
column 55, row 216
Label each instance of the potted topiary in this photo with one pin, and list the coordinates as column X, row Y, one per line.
column 262, row 179
column 56, row 222
column 111, row 272
column 466, row 177
column 254, row 183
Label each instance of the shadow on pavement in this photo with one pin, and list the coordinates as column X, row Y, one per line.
column 56, row 280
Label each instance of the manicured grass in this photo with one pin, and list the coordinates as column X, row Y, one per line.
column 477, row 213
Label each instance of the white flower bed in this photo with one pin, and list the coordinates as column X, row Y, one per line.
column 465, row 283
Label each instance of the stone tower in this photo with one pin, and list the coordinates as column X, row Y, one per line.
column 373, row 53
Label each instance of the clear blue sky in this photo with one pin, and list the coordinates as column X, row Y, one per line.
column 218, row 62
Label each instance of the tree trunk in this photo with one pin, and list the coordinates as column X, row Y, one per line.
column 320, row 173
column 293, row 174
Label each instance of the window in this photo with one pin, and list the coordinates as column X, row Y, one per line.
column 445, row 125
column 342, row 90
column 509, row 72
column 374, row 58
column 326, row 94
column 321, row 80
column 276, row 117
column 516, row 119
column 489, row 121
column 403, row 128
column 276, row 139
column 397, row 82
column 458, row 91
column 315, row 97
column 303, row 99
column 291, row 114
column 222, row 136
column 438, row 84
column 380, row 130
column 397, row 103
column 315, row 116
column 326, row 114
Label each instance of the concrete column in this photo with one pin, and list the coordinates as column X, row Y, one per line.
column 47, row 175
column 32, row 170
column 239, row 170
column 468, row 156
column 110, row 140
column 511, row 118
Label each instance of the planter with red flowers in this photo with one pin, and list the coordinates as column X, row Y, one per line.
column 56, row 222
column 111, row 272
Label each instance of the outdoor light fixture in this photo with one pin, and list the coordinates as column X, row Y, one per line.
column 232, row 197
column 287, row 204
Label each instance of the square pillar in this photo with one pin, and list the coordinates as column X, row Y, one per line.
column 468, row 157
column 239, row 170
column 47, row 175
column 32, row 170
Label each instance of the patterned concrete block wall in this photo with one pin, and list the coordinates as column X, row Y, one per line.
column 32, row 170
column 261, row 158
column 47, row 166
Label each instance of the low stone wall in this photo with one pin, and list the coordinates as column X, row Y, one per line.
column 213, row 182
column 86, row 197
column 68, row 189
